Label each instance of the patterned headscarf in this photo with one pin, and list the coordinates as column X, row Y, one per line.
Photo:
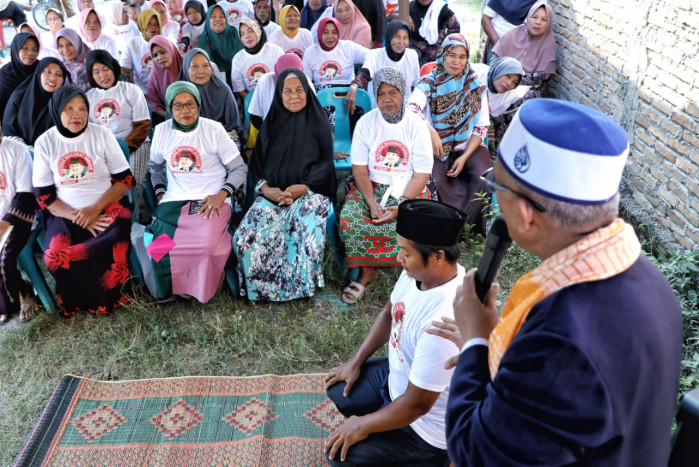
column 455, row 100
column 259, row 32
column 76, row 67
column 391, row 75
column 144, row 19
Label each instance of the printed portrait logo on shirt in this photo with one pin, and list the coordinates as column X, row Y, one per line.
column 398, row 317
column 146, row 64
column 233, row 15
column 255, row 72
column 76, row 167
column 3, row 184
column 330, row 70
column 185, row 159
column 106, row 111
column 392, row 155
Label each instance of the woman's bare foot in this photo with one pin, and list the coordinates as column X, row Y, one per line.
column 28, row 307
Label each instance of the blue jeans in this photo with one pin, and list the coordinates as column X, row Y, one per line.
column 402, row 447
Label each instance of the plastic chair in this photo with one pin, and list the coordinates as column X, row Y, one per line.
column 27, row 262
column 335, row 97
column 685, row 448
column 426, row 68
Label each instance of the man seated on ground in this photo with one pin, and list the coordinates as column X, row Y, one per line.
column 397, row 404
column 583, row 366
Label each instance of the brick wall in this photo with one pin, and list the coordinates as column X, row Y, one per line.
column 638, row 62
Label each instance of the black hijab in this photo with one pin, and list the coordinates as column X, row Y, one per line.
column 12, row 74
column 197, row 5
column 105, row 58
column 514, row 11
column 309, row 16
column 27, row 113
column 391, row 30
column 296, row 147
column 58, row 101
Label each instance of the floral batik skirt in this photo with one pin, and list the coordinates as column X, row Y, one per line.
column 188, row 252
column 89, row 271
column 366, row 243
column 280, row 249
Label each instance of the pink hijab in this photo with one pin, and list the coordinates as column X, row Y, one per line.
column 161, row 78
column 536, row 53
column 163, row 21
column 83, row 19
column 358, row 30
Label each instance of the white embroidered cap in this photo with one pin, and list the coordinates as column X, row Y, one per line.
column 565, row 151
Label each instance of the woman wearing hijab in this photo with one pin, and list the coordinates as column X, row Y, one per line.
column 391, row 162
column 451, row 98
column 170, row 29
column 331, row 61
column 80, row 180
column 433, row 21
column 27, row 115
column 291, row 37
column 194, row 25
column 121, row 108
column 257, row 57
column 17, row 207
column 533, row 44
column 175, row 8
column 281, row 240
column 91, row 25
column 353, row 25
column 220, row 40
column 167, row 60
column 24, row 51
column 396, row 54
column 504, row 95
column 195, row 167
column 312, row 12
column 500, row 16
column 121, row 29
column 137, row 58
column 216, row 99
column 74, row 54
column 264, row 13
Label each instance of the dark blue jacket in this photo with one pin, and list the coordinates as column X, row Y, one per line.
column 590, row 379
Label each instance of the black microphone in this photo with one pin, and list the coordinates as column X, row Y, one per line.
column 496, row 245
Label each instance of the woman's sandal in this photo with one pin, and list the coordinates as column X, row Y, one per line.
column 27, row 310
column 353, row 292
column 5, row 318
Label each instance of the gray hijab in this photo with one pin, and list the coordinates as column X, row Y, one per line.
column 390, row 75
column 217, row 102
column 503, row 66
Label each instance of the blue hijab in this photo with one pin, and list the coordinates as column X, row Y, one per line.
column 309, row 16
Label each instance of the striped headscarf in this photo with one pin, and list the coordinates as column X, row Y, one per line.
column 391, row 75
column 455, row 100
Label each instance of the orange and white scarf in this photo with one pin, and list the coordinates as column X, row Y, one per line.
column 602, row 254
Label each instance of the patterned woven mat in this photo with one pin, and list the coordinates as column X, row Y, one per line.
column 253, row 421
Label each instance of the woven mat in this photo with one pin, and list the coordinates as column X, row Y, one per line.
column 253, row 421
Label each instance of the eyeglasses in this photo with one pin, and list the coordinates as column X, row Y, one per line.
column 489, row 178
column 178, row 107
column 297, row 93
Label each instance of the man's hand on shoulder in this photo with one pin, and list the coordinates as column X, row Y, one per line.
column 351, row 432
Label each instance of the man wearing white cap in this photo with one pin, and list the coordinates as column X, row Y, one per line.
column 583, row 365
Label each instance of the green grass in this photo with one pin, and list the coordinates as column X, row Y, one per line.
column 179, row 337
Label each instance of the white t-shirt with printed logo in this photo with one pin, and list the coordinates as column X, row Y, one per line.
column 408, row 65
column 500, row 24
column 334, row 67
column 118, row 107
column 298, row 44
column 418, row 357
column 235, row 11
column 138, row 59
column 195, row 160
column 81, row 168
column 247, row 69
column 15, row 172
column 105, row 42
column 270, row 28
column 390, row 150
column 122, row 34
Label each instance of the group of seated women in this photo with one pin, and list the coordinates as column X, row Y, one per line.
column 425, row 136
